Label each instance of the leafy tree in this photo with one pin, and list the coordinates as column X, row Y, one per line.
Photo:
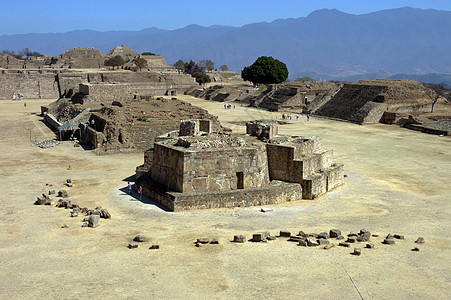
column 180, row 65
column 224, row 68
column 188, row 67
column 115, row 61
column 148, row 53
column 140, row 62
column 201, row 78
column 435, row 91
column 266, row 70
column 207, row 64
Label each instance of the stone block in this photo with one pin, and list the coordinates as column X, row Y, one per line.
column 155, row 246
column 302, row 233
column 388, row 241
column 398, row 236
column 105, row 214
column 352, row 234
column 69, row 184
column 94, row 221
column 68, row 180
column 334, row 233
column 303, row 243
column 416, row 249
column 389, row 236
column 203, row 241
column 369, row 246
column 344, row 244
column 132, row 245
column 351, row 239
column 239, row 239
column 140, row 238
column 63, row 194
column 74, row 214
column 357, row 251
column 214, row 242
column 295, row 238
column 340, row 237
column 420, row 240
column 328, row 246
column 52, row 192
column 312, row 242
column 40, row 200
column 258, row 237
column 284, row 233
column 323, row 241
column 271, row 238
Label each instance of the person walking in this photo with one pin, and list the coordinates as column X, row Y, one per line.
column 129, row 188
column 140, row 192
column 308, row 117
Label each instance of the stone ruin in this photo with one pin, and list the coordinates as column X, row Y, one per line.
column 198, row 169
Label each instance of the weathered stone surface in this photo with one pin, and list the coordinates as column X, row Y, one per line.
column 369, row 246
column 357, row 251
column 389, row 241
column 285, row 233
column 344, row 244
column 398, row 236
column 63, row 193
column 94, row 221
column 334, row 233
column 239, row 239
column 140, row 238
column 420, row 240
column 303, row 243
column 323, row 235
column 203, row 241
column 132, row 245
column 155, row 246
column 312, row 242
column 323, row 241
column 214, row 242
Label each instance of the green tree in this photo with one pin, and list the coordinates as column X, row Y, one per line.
column 180, row 65
column 201, row 78
column 140, row 63
column 115, row 61
column 266, row 70
column 224, row 68
column 207, row 64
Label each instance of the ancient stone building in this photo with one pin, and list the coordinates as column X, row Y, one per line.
column 196, row 168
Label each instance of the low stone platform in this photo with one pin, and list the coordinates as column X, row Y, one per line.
column 276, row 192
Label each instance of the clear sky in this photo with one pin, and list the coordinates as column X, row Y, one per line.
column 40, row 16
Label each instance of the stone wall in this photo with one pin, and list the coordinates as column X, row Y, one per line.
column 28, row 85
column 167, row 167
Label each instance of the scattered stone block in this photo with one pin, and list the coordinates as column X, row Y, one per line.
column 351, row 239
column 132, row 245
column 63, row 194
column 416, row 249
column 303, row 243
column 344, row 244
column 140, row 239
column 340, row 237
column 389, row 236
column 65, row 203
column 302, row 233
column 85, row 225
column 74, row 214
column 313, row 235
column 364, row 236
column 295, row 238
column 334, row 233
column 41, row 200
column 52, row 192
column 69, row 184
column 389, row 241
column 65, row 226
column 285, row 233
column 398, row 236
column 198, row 245
column 258, row 237
column 369, row 246
column 203, row 241
column 357, row 251
column 271, row 238
column 239, row 239
column 68, row 180
column 214, row 242
column 312, row 242
column 155, row 246
column 83, row 210
column 93, row 221
column 328, row 246
column 375, row 235
column 352, row 234
column 323, row 235
column 86, row 219
column 323, row 241
column 420, row 240
column 105, row 214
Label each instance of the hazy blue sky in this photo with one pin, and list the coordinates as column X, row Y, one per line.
column 25, row 16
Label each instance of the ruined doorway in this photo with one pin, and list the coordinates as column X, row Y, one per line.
column 239, row 180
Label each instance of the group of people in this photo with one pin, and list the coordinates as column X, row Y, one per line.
column 290, row 117
column 140, row 190
column 228, row 106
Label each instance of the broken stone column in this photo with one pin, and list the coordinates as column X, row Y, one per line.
column 94, row 221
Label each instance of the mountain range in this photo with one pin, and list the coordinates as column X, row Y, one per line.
column 327, row 43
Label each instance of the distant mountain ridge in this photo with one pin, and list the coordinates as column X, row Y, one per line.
column 404, row 40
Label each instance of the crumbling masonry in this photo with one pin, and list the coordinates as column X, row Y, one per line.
column 198, row 169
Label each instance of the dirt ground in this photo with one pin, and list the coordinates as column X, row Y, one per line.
column 398, row 182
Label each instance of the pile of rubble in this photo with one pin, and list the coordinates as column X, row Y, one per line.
column 142, row 239
column 92, row 215
column 47, row 144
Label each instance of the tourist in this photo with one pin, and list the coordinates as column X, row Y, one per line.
column 129, row 188
column 297, row 117
column 308, row 117
column 140, row 192
column 25, row 104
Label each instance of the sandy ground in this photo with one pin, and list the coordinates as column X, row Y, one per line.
column 398, row 182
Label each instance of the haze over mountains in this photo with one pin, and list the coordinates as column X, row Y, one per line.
column 326, row 44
